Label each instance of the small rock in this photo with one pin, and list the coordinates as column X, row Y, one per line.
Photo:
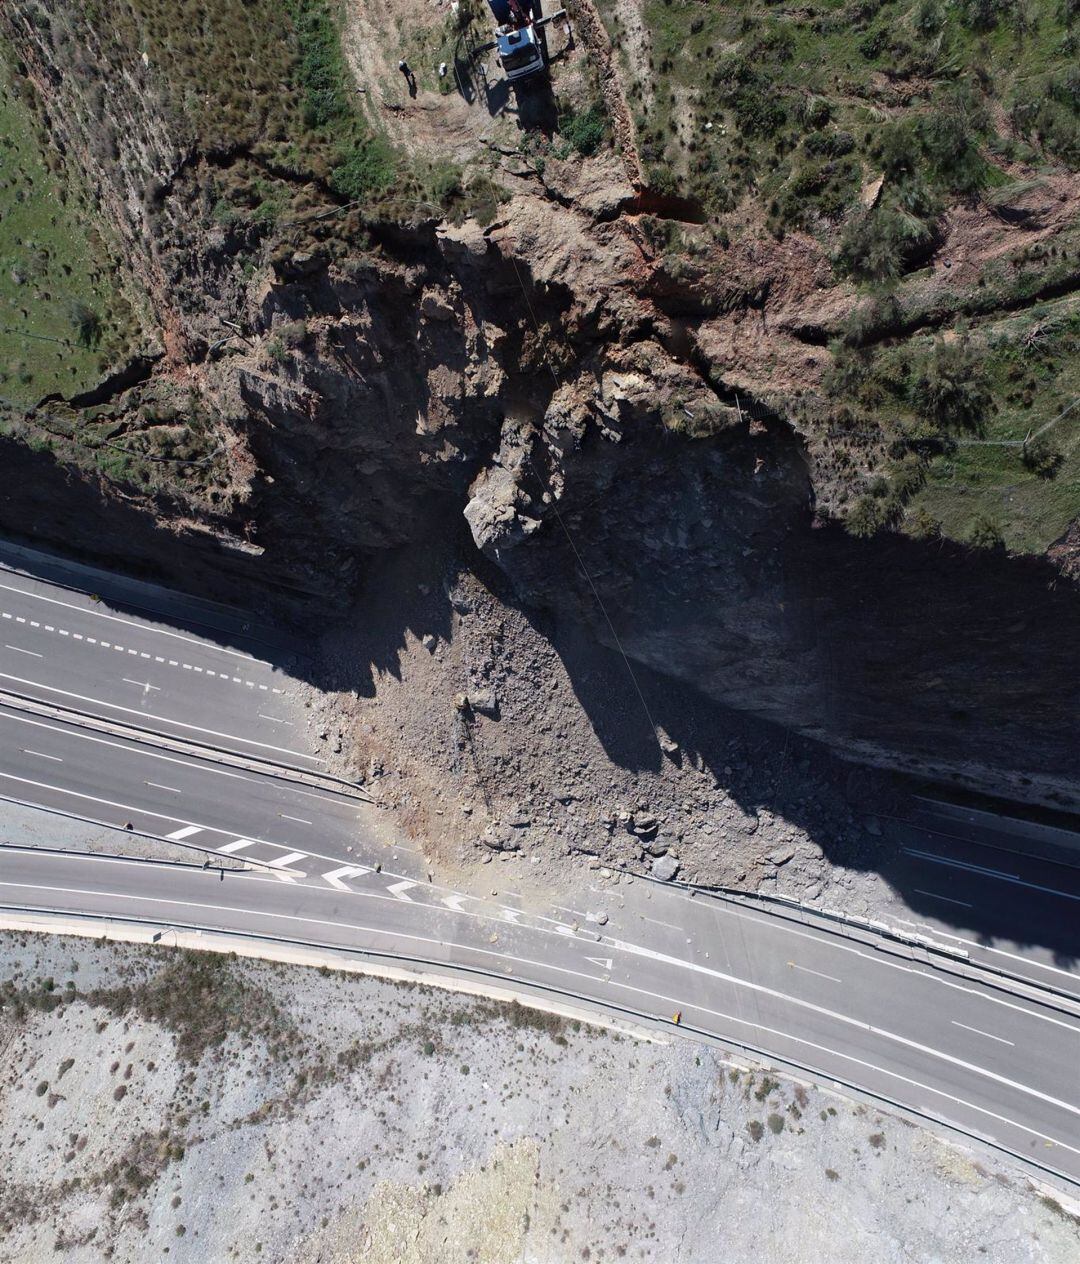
column 781, row 855
column 429, row 642
column 665, row 868
column 483, row 701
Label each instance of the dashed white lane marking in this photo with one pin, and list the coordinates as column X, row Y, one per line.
column 987, row 1034
column 112, row 618
column 948, row 899
column 156, row 658
column 806, row 970
column 41, row 755
column 236, row 845
column 298, row 819
column 19, row 650
column 287, row 861
column 653, row 997
column 999, row 874
column 158, row 786
column 186, row 832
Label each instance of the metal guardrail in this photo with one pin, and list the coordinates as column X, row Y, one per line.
column 185, row 746
column 945, row 956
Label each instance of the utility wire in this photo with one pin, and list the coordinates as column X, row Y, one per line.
column 566, row 530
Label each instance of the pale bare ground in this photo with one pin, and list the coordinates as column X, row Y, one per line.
column 157, row 1105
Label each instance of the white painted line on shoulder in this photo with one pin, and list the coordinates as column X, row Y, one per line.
column 989, row 1035
column 41, row 755
column 238, row 844
column 947, row 898
column 19, row 650
column 158, row 786
column 147, row 715
column 298, row 819
column 150, row 628
column 186, row 832
column 806, row 970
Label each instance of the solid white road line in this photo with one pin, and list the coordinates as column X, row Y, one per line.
column 987, row 1034
column 164, row 719
column 948, row 899
column 1000, row 874
column 186, row 832
column 41, row 755
column 158, row 786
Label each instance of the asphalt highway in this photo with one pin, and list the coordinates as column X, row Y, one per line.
column 1001, row 1066
column 75, row 650
column 121, row 782
column 998, row 1059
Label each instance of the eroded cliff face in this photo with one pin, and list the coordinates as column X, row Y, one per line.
column 543, row 375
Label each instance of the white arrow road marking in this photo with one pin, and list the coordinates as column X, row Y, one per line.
column 603, row 962
column 346, row 871
column 288, row 860
column 398, row 889
column 238, row 844
column 186, row 832
column 511, row 915
column 454, row 902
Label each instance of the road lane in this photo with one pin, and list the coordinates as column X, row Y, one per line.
column 71, row 649
column 888, row 1030
column 120, row 782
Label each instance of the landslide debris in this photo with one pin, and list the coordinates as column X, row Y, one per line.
column 708, row 440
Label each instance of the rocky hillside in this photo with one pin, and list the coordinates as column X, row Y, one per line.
column 727, row 348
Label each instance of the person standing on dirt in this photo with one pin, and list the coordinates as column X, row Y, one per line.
column 410, row 78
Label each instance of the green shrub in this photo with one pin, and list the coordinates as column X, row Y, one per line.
column 584, row 131
column 1041, row 457
column 367, row 168
column 984, row 533
column 949, row 388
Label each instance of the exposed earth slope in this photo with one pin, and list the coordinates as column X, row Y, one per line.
column 727, row 351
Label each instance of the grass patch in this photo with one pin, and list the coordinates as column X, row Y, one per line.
column 787, row 102
column 63, row 317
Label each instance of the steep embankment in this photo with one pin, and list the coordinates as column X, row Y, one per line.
column 496, row 331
